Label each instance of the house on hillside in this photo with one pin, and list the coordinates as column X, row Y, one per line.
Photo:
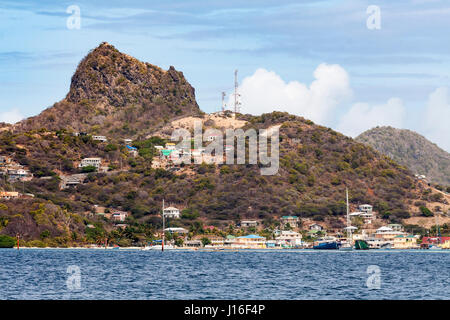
column 316, row 227
column 249, row 224
column 119, row 216
column 8, row 195
column 19, row 174
column 292, row 221
column 86, row 162
column 99, row 138
column 171, row 212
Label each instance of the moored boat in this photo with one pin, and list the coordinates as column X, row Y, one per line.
column 361, row 245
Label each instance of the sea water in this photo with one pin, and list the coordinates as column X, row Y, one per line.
column 269, row 274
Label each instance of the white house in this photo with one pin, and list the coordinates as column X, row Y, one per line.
column 367, row 217
column 288, row 237
column 249, row 224
column 99, row 138
column 119, row 216
column 172, row 212
column 95, row 162
column 316, row 226
column 367, row 208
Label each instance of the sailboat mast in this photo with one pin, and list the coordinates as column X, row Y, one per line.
column 348, row 216
column 164, row 227
column 438, row 228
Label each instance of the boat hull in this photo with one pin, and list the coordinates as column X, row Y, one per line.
column 333, row 245
column 361, row 245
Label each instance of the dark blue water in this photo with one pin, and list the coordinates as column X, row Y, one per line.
column 133, row 274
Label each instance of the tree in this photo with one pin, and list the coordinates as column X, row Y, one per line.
column 205, row 241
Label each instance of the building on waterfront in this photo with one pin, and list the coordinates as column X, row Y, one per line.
column 405, row 242
column 289, row 238
column 387, row 233
column 251, row 241
column 292, row 221
column 434, row 240
column 171, row 212
column 192, row 243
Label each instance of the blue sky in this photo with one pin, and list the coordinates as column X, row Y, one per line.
column 314, row 58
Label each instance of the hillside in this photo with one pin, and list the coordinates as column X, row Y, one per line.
column 411, row 150
column 114, row 94
column 316, row 164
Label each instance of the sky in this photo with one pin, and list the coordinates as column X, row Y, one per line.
column 350, row 65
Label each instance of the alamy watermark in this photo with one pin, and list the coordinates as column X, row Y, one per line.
column 235, row 147
column 73, row 281
column 373, row 21
column 374, row 279
column 74, row 20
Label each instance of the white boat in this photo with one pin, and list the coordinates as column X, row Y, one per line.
column 159, row 247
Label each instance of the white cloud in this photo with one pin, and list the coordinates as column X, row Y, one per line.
column 11, row 116
column 265, row 91
column 363, row 116
column 437, row 118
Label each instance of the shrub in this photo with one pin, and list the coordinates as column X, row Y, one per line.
column 6, row 241
column 425, row 211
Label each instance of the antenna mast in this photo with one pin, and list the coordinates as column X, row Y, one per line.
column 236, row 94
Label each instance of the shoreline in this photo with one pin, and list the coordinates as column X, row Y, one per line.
column 226, row 249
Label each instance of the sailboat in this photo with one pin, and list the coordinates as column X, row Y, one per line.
column 162, row 246
column 348, row 245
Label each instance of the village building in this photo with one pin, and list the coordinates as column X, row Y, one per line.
column 427, row 241
column 316, row 227
column 119, row 216
column 252, row 241
column 289, row 238
column 249, row 224
column 192, row 243
column 171, row 212
column 8, row 195
column 405, row 242
column 177, row 230
column 19, row 174
column 72, row 181
column 396, row 227
column 99, row 138
column 212, row 137
column 95, row 162
column 387, row 233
